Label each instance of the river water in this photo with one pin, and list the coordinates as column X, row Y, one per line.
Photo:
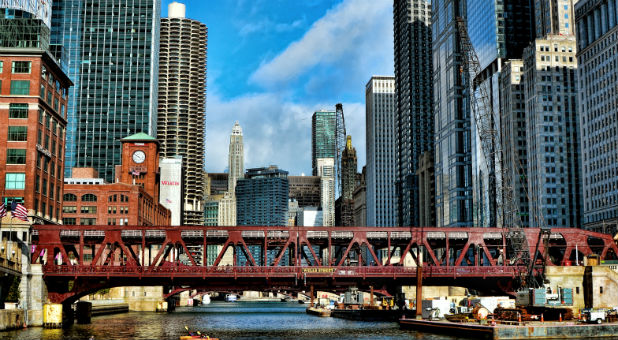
column 227, row 321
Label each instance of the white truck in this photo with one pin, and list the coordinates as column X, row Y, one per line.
column 593, row 315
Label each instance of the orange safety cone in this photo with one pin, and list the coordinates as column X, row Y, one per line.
column 519, row 317
column 542, row 319
column 560, row 319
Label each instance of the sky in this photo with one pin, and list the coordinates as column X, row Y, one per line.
column 272, row 63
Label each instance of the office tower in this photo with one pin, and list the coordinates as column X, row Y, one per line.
column 323, row 153
column 326, row 171
column 597, row 32
column 236, row 158
column 305, row 190
column 112, row 52
column 514, row 143
column 262, row 200
column 360, row 199
column 453, row 163
column 426, row 190
column 182, row 99
column 552, row 130
column 497, row 32
column 554, row 17
column 236, row 165
column 414, row 128
column 344, row 205
column 381, row 156
column 323, row 128
column 262, row 197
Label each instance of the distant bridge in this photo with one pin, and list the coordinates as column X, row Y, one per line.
column 79, row 260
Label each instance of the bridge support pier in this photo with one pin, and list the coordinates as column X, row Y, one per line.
column 83, row 312
column 33, row 293
column 68, row 314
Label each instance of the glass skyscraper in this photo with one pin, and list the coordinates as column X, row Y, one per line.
column 111, row 51
column 451, row 119
column 323, row 128
column 414, row 125
column 498, row 30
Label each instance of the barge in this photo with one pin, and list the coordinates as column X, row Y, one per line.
column 523, row 331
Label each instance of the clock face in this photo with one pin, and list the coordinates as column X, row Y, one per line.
column 139, row 157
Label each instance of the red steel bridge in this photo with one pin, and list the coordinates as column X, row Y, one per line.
column 79, row 260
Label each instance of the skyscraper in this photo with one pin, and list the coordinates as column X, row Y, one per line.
column 236, row 158
column 262, row 197
column 381, row 156
column 597, row 28
column 554, row 17
column 323, row 152
column 453, row 163
column 182, row 99
column 552, row 123
column 236, row 168
column 414, row 128
column 112, row 52
column 497, row 32
column 344, row 205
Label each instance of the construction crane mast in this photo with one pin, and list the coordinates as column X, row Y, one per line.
column 487, row 130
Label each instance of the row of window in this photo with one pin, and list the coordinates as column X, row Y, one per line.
column 22, row 67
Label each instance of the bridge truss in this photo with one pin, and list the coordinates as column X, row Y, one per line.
column 78, row 260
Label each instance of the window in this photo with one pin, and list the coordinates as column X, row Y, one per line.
column 89, row 198
column 1, row 65
column 16, row 181
column 16, row 156
column 8, row 200
column 88, row 221
column 68, row 220
column 20, row 87
column 18, row 133
column 44, row 189
column 71, row 209
column 124, row 198
column 69, row 198
column 21, row 66
column 18, row 111
column 88, row 209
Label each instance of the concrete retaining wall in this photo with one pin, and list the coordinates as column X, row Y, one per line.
column 11, row 319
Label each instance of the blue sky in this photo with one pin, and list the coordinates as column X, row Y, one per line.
column 272, row 63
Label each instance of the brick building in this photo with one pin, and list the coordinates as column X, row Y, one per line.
column 132, row 200
column 33, row 119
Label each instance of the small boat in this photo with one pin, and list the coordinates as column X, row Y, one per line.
column 231, row 298
column 195, row 335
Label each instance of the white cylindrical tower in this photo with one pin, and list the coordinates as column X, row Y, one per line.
column 176, row 10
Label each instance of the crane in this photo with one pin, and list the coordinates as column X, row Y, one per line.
column 340, row 142
column 488, row 134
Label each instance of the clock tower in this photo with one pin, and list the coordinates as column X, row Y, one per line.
column 140, row 163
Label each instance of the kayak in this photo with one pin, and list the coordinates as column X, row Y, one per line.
column 191, row 337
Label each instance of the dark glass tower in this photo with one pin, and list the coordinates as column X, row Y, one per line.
column 453, row 163
column 111, row 49
column 414, row 119
column 498, row 30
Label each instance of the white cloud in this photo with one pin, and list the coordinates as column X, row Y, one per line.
column 351, row 33
column 267, row 25
column 333, row 60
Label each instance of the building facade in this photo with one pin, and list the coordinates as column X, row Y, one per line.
column 498, row 32
column 381, row 156
column 414, row 128
column 427, row 190
column 182, row 103
column 111, row 49
column 552, row 131
column 323, row 130
column 514, row 144
column 170, row 186
column 262, row 197
column 597, row 58
column 305, row 190
column 33, row 120
column 344, row 205
column 236, row 158
column 451, row 107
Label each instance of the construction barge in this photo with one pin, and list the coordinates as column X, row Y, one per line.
column 528, row 330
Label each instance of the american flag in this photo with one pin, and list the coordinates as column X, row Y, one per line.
column 2, row 210
column 19, row 211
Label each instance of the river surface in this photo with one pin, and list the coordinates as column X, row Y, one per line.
column 227, row 321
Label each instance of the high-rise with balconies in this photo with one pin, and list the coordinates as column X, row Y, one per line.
column 182, row 100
